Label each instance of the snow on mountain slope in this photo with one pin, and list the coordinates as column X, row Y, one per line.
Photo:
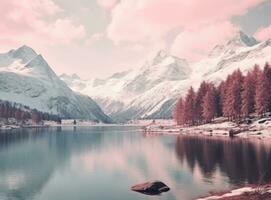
column 129, row 94
column 242, row 56
column 151, row 91
column 26, row 78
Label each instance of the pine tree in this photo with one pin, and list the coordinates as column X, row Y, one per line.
column 222, row 88
column 209, row 105
column 18, row 115
column 256, row 72
column 248, row 95
column 189, row 107
column 24, row 116
column 6, row 110
column 178, row 113
column 232, row 102
column 218, row 102
column 267, row 71
column 2, row 109
column 262, row 96
column 35, row 116
column 199, row 101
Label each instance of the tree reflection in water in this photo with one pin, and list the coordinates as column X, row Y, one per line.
column 242, row 161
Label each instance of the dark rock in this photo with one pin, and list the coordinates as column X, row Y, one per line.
column 231, row 133
column 248, row 121
column 262, row 121
column 151, row 188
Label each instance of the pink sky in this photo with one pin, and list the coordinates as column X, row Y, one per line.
column 133, row 30
column 263, row 33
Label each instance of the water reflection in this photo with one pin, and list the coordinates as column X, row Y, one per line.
column 242, row 161
column 103, row 162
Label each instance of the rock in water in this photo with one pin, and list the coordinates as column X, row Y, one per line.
column 151, row 188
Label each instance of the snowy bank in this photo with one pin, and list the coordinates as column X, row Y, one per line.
column 260, row 128
column 253, row 192
column 12, row 123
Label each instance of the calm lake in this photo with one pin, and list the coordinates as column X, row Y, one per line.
column 102, row 163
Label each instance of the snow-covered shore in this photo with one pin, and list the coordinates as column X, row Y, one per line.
column 262, row 192
column 260, row 129
column 14, row 126
column 65, row 123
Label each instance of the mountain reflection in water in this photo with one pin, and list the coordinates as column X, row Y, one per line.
column 104, row 162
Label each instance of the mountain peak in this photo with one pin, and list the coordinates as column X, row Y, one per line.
column 239, row 40
column 162, row 54
column 26, row 49
column 26, row 78
column 25, row 53
column 75, row 76
column 70, row 76
column 242, row 39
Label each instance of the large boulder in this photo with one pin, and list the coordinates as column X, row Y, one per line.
column 151, row 188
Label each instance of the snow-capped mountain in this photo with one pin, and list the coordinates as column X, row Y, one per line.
column 26, row 78
column 151, row 91
column 122, row 95
column 229, row 48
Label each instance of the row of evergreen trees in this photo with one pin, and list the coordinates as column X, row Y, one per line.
column 22, row 113
column 236, row 98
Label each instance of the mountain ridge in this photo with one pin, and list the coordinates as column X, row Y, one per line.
column 26, row 78
column 149, row 92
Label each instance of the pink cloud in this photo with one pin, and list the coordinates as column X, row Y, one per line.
column 145, row 19
column 107, row 4
column 193, row 12
column 95, row 37
column 22, row 22
column 194, row 45
column 128, row 25
column 263, row 33
column 203, row 24
column 62, row 31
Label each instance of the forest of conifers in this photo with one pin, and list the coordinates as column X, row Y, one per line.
column 238, row 97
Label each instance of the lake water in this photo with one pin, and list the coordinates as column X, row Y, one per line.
column 102, row 163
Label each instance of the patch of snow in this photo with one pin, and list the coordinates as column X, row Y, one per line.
column 230, row 194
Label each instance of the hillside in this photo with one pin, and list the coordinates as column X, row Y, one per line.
column 26, row 78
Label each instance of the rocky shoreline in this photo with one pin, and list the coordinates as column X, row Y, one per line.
column 253, row 192
column 260, row 129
